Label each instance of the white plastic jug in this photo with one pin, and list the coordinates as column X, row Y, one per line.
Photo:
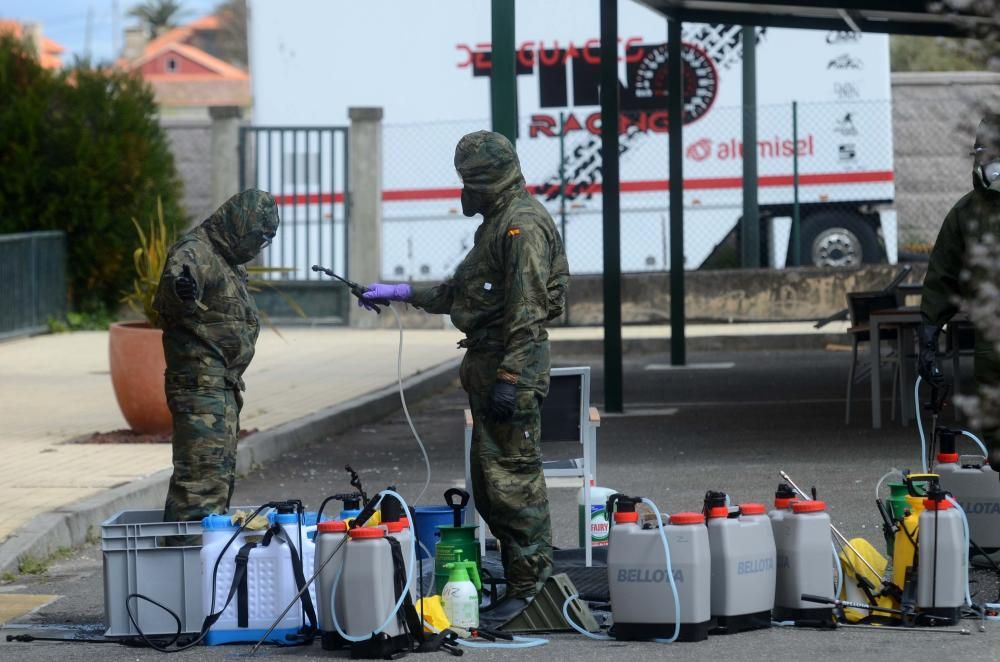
column 743, row 567
column 289, row 522
column 365, row 594
column 217, row 530
column 329, row 536
column 270, row 586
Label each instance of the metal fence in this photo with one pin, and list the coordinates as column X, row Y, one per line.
column 305, row 168
column 33, row 271
column 835, row 159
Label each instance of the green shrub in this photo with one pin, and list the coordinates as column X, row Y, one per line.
column 81, row 151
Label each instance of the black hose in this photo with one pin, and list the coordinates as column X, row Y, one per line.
column 207, row 623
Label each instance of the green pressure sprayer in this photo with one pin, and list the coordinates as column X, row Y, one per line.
column 457, row 543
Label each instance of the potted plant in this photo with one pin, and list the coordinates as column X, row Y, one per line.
column 136, row 347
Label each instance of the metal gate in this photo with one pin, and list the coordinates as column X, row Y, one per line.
column 305, row 169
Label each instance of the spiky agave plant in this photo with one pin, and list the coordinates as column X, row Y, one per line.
column 149, row 259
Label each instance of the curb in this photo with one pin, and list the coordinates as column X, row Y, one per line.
column 73, row 524
column 795, row 341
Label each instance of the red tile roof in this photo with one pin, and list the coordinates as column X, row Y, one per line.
column 49, row 52
column 225, row 85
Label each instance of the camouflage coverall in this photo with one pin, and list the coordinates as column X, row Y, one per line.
column 509, row 285
column 952, row 279
column 208, row 344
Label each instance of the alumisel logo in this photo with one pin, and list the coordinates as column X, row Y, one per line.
column 845, row 61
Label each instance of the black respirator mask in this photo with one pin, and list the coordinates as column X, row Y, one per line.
column 989, row 170
column 986, row 152
column 472, row 202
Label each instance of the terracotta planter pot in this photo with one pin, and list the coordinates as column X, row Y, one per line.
column 137, row 367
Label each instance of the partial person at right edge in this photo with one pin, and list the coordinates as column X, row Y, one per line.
column 953, row 279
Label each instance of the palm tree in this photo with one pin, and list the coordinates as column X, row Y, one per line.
column 158, row 15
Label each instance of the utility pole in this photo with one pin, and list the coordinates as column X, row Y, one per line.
column 750, row 224
column 611, row 206
column 88, row 38
column 503, row 82
column 115, row 31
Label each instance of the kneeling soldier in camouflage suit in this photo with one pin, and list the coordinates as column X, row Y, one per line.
column 509, row 285
column 210, row 327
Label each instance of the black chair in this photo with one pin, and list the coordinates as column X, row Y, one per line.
column 859, row 309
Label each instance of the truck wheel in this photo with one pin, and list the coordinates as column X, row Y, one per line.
column 838, row 239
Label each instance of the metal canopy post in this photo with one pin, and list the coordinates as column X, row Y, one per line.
column 610, row 208
column 503, row 85
column 750, row 221
column 675, row 111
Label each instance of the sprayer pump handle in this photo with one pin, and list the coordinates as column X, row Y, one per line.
column 449, row 497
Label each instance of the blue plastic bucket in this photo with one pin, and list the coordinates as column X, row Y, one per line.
column 426, row 521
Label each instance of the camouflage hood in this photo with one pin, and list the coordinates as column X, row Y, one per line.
column 241, row 226
column 986, row 153
column 488, row 166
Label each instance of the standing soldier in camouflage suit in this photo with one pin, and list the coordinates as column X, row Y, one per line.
column 509, row 285
column 952, row 278
column 210, row 327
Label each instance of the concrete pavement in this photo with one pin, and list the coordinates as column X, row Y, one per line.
column 55, row 389
column 684, row 432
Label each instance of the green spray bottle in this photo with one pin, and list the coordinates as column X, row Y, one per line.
column 460, row 596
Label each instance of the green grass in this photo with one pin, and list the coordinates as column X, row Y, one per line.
column 32, row 565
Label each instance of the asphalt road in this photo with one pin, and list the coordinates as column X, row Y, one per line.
column 684, row 432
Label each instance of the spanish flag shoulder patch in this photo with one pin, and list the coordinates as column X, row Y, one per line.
column 513, row 232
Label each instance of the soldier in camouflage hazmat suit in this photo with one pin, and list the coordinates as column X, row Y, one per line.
column 210, row 327
column 510, row 284
column 951, row 277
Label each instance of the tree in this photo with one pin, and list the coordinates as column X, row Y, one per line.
column 158, row 16
column 81, row 151
column 910, row 53
column 232, row 42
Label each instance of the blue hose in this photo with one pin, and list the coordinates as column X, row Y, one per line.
column 920, row 424
column 519, row 642
column 840, row 571
column 670, row 575
column 572, row 624
column 979, row 442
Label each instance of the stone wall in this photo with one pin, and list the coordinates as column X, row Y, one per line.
column 934, row 120
column 724, row 295
column 191, row 144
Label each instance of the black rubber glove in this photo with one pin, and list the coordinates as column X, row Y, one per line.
column 927, row 365
column 185, row 286
column 503, row 400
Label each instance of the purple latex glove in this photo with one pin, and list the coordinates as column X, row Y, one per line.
column 385, row 291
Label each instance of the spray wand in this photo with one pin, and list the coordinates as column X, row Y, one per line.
column 357, row 290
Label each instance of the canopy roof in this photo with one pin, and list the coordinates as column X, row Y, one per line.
column 894, row 16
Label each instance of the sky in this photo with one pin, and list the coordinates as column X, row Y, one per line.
column 65, row 21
